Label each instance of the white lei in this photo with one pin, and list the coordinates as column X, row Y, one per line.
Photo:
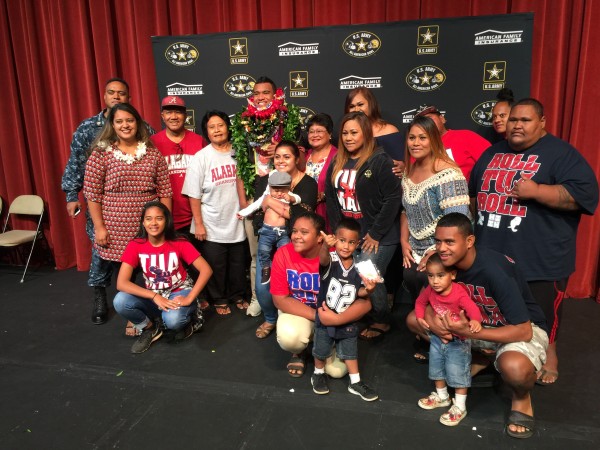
column 126, row 157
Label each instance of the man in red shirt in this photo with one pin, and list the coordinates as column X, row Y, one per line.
column 463, row 146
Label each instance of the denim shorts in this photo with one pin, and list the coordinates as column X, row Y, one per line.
column 450, row 362
column 346, row 348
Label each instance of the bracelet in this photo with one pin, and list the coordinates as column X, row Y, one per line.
column 155, row 294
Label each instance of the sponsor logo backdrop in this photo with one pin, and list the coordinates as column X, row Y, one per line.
column 407, row 64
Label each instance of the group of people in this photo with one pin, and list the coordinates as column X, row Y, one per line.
column 317, row 228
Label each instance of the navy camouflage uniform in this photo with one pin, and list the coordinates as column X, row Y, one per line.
column 72, row 183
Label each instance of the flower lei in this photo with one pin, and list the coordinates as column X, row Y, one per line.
column 125, row 157
column 255, row 129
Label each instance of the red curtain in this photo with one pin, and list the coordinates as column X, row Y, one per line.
column 55, row 57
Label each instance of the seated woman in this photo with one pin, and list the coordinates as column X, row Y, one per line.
column 295, row 285
column 169, row 290
column 286, row 159
column 432, row 186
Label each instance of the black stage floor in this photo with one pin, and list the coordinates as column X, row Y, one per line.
column 68, row 384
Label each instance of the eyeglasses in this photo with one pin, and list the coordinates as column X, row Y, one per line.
column 179, row 153
column 317, row 132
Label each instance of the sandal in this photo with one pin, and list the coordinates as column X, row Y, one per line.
column 131, row 331
column 241, row 304
column 421, row 355
column 379, row 336
column 540, row 380
column 523, row 420
column 264, row 330
column 222, row 310
column 203, row 305
column 296, row 366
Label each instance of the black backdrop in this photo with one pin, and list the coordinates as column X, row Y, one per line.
column 457, row 64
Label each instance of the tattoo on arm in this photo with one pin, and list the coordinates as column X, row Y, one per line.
column 566, row 200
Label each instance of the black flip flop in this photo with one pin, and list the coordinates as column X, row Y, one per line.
column 523, row 420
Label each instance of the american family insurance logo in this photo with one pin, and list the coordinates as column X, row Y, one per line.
column 494, row 37
column 295, row 49
column 353, row 81
column 184, row 89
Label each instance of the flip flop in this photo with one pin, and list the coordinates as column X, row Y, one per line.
column 241, row 304
column 421, row 356
column 522, row 420
column 296, row 363
column 376, row 338
column 543, row 372
column 130, row 330
column 222, row 310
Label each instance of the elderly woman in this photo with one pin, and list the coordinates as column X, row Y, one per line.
column 122, row 174
column 361, row 185
column 319, row 156
column 210, row 184
column 286, row 159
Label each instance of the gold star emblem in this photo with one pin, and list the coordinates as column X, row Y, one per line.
column 489, row 115
column 495, row 72
column 239, row 48
column 298, row 81
column 428, row 37
column 240, row 86
column 362, row 45
column 425, row 78
column 181, row 55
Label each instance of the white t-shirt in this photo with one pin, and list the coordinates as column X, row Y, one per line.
column 211, row 178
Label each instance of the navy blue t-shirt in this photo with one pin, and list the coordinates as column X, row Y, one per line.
column 541, row 239
column 339, row 289
column 500, row 291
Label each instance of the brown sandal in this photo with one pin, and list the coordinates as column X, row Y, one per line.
column 242, row 304
column 222, row 310
column 264, row 330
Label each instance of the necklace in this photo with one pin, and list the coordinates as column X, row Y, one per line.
column 126, row 157
column 296, row 180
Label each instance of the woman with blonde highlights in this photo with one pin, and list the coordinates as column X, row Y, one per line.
column 361, row 185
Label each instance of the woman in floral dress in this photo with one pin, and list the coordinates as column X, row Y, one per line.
column 122, row 174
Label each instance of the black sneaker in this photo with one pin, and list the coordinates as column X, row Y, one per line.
column 100, row 310
column 265, row 275
column 146, row 339
column 365, row 392
column 319, row 383
column 191, row 328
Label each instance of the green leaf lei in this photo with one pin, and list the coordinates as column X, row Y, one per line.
column 251, row 128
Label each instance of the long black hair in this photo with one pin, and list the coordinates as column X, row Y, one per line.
column 169, row 233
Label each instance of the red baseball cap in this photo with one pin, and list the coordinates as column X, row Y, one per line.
column 172, row 102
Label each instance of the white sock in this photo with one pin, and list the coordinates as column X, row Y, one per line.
column 442, row 392
column 319, row 371
column 354, row 378
column 460, row 400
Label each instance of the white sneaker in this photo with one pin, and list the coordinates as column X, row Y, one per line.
column 453, row 416
column 254, row 308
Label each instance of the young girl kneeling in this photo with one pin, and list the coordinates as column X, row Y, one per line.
column 169, row 290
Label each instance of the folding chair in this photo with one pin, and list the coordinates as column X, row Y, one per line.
column 31, row 205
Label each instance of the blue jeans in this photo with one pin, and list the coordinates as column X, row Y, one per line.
column 450, row 362
column 381, row 312
column 269, row 239
column 323, row 345
column 263, row 295
column 140, row 311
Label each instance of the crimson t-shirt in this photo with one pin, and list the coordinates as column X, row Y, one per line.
column 295, row 276
column 161, row 265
